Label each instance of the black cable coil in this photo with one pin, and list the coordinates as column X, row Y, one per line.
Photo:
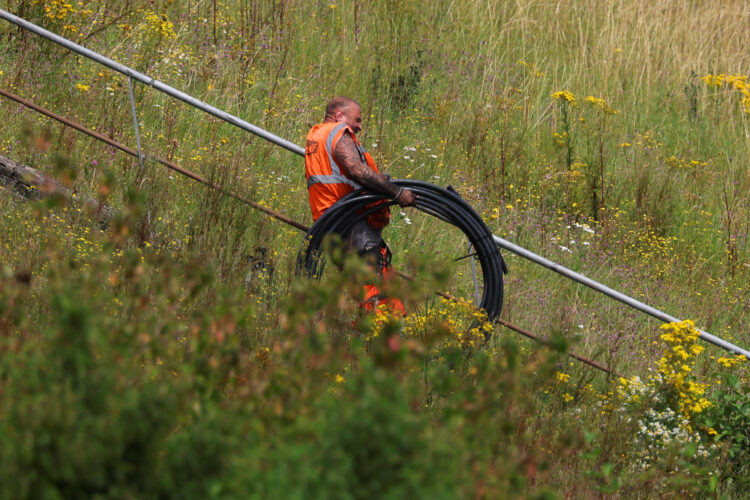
column 445, row 204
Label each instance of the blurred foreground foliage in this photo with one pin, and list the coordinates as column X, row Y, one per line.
column 133, row 374
column 127, row 372
column 176, row 354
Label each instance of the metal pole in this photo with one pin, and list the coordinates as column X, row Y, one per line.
column 120, row 68
column 613, row 293
column 135, row 124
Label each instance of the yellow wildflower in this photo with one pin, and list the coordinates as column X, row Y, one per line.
column 565, row 95
column 160, row 24
column 730, row 362
column 601, row 104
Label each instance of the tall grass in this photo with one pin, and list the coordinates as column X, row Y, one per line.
column 639, row 181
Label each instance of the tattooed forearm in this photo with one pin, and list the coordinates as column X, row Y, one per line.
column 363, row 175
column 347, row 157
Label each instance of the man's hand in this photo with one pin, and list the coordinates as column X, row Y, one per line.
column 406, row 199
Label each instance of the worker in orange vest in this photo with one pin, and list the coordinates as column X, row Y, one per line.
column 336, row 164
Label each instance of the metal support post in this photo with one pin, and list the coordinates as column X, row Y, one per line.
column 135, row 124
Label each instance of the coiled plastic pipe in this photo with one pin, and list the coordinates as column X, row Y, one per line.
column 445, row 204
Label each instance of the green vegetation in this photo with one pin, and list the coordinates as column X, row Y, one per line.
column 176, row 353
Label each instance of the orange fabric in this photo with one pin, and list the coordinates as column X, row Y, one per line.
column 318, row 157
column 317, row 162
column 373, row 298
column 392, row 305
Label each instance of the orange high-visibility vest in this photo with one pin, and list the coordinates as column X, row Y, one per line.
column 326, row 181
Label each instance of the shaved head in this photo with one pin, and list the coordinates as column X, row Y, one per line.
column 339, row 103
column 344, row 109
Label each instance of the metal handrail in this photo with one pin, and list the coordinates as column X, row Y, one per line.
column 223, row 115
column 163, row 87
column 635, row 304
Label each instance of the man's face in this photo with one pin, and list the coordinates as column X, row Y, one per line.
column 352, row 116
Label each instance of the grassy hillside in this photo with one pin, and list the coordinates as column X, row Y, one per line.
column 177, row 352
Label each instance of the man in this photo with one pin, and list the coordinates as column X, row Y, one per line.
column 336, row 164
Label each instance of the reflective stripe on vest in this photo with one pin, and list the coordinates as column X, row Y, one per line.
column 335, row 177
column 330, row 179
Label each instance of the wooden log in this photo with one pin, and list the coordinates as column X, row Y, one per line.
column 28, row 182
column 31, row 184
